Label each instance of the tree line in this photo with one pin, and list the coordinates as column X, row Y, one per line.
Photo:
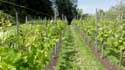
column 42, row 8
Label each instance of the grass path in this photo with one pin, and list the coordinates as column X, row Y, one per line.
column 75, row 55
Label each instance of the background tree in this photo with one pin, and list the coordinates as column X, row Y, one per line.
column 67, row 8
column 41, row 8
column 116, row 11
column 80, row 14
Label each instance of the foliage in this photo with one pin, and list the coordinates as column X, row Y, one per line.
column 5, row 19
column 110, row 34
column 31, row 48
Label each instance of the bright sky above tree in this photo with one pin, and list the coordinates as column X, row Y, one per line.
column 89, row 6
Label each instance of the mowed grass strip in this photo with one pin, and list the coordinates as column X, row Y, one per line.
column 75, row 54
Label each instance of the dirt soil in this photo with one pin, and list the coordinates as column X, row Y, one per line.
column 54, row 57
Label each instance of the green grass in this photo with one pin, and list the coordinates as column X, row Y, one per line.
column 75, row 55
column 66, row 60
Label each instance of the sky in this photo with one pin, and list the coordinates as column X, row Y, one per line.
column 89, row 6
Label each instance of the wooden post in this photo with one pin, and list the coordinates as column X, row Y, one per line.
column 102, row 50
column 39, row 17
column 3, row 34
column 63, row 17
column 55, row 13
column 17, row 29
column 121, row 50
column 26, row 19
column 55, row 51
column 96, row 22
column 121, row 10
column 0, row 59
column 121, row 58
column 17, row 23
